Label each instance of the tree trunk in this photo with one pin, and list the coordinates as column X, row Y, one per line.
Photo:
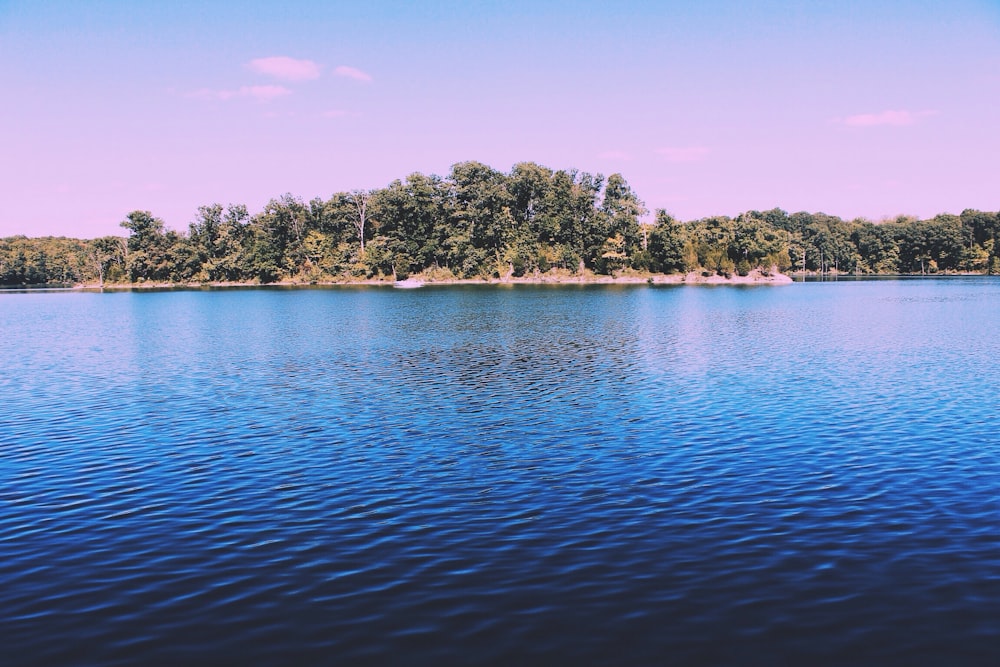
column 361, row 199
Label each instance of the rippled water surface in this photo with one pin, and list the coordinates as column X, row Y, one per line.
column 805, row 474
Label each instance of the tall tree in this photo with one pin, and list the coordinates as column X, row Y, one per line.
column 360, row 200
column 622, row 208
column 481, row 207
column 667, row 240
column 147, row 247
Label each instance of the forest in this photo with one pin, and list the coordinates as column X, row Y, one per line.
column 478, row 222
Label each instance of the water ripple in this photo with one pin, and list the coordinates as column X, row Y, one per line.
column 590, row 475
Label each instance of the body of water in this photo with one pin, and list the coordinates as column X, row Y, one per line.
column 803, row 474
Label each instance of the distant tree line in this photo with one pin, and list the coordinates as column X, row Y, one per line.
column 479, row 222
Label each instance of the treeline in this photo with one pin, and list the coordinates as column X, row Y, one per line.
column 479, row 222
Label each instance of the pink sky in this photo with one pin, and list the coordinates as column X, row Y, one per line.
column 856, row 109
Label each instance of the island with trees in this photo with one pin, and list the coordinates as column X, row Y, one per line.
column 478, row 223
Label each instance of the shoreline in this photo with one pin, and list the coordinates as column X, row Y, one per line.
column 755, row 277
column 692, row 278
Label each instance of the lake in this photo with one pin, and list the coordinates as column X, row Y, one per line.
column 803, row 474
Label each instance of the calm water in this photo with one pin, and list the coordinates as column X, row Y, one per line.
column 806, row 474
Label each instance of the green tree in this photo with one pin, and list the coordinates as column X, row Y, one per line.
column 107, row 256
column 410, row 217
column 481, row 208
column 667, row 241
column 148, row 248
column 876, row 247
column 929, row 246
column 711, row 239
column 621, row 210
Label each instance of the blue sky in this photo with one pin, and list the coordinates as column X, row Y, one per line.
column 865, row 109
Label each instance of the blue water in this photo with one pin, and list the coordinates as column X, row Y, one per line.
column 803, row 474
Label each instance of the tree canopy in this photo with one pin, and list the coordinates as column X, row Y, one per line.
column 480, row 222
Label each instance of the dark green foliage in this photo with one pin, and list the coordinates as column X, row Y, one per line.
column 876, row 247
column 929, row 246
column 25, row 261
column 667, row 241
column 479, row 222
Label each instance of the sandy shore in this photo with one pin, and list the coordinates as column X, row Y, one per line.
column 693, row 278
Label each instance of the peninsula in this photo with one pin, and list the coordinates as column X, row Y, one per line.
column 531, row 224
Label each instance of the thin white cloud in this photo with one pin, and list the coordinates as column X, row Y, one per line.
column 202, row 94
column 891, row 118
column 285, row 68
column 264, row 93
column 338, row 113
column 352, row 73
column 259, row 93
column 683, row 153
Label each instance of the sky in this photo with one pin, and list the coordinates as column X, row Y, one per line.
column 870, row 108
